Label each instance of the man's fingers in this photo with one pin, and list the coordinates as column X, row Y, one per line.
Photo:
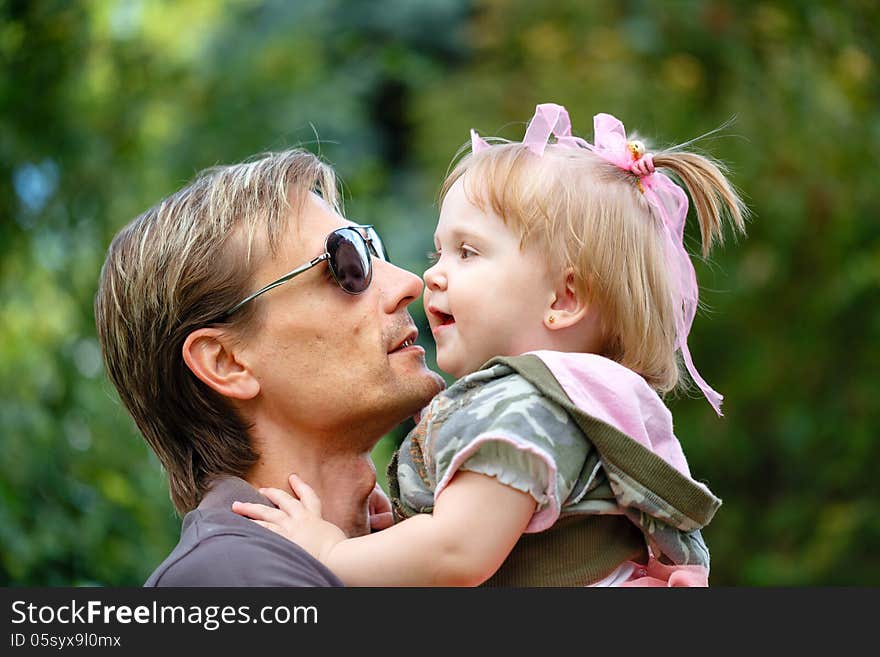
column 379, row 502
column 379, row 521
column 306, row 495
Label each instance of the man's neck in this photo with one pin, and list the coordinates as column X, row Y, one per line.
column 342, row 481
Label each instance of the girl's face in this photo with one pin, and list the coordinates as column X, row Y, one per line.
column 484, row 297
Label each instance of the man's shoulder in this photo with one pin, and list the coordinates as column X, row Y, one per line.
column 220, row 548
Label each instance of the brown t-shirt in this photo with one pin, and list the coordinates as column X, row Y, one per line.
column 220, row 548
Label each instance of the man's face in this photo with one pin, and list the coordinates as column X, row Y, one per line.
column 328, row 361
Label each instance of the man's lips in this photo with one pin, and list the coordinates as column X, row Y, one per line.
column 407, row 341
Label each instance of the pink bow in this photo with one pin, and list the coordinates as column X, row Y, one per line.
column 550, row 120
column 668, row 200
column 671, row 204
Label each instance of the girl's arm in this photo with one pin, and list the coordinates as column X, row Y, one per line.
column 475, row 524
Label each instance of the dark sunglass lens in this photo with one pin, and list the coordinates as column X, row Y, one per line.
column 376, row 243
column 349, row 260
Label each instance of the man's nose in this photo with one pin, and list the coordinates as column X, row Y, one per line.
column 400, row 287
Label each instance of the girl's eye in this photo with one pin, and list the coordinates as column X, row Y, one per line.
column 466, row 252
column 433, row 256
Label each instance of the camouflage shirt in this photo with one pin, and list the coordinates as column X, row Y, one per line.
column 512, row 420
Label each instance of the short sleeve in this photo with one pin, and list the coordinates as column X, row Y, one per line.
column 506, row 429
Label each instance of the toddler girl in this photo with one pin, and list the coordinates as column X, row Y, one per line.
column 561, row 295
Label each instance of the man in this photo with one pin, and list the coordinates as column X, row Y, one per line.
column 251, row 332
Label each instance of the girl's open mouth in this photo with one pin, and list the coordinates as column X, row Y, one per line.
column 445, row 318
column 439, row 319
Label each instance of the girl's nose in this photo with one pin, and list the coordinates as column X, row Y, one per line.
column 434, row 277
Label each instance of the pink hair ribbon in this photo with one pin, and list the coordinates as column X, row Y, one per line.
column 478, row 143
column 550, row 120
column 667, row 199
column 671, row 204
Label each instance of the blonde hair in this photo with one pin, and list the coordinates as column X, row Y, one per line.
column 589, row 215
column 178, row 267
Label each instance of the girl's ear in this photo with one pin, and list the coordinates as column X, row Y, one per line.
column 211, row 355
column 569, row 305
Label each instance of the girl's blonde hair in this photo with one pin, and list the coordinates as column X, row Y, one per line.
column 589, row 215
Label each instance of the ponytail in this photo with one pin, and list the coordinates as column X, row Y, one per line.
column 712, row 194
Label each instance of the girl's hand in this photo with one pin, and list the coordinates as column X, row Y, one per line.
column 297, row 520
column 381, row 516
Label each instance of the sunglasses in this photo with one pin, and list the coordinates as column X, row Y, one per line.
column 348, row 254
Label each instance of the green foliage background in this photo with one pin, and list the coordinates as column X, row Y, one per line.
column 105, row 107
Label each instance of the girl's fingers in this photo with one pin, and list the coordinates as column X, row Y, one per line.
column 272, row 527
column 258, row 511
column 306, row 495
column 283, row 500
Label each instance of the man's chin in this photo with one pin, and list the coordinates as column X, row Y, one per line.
column 415, row 389
column 426, row 378
column 439, row 381
column 431, row 383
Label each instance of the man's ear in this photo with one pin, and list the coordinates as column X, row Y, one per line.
column 210, row 355
column 568, row 305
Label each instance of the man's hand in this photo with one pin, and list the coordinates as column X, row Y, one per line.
column 381, row 516
column 298, row 519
